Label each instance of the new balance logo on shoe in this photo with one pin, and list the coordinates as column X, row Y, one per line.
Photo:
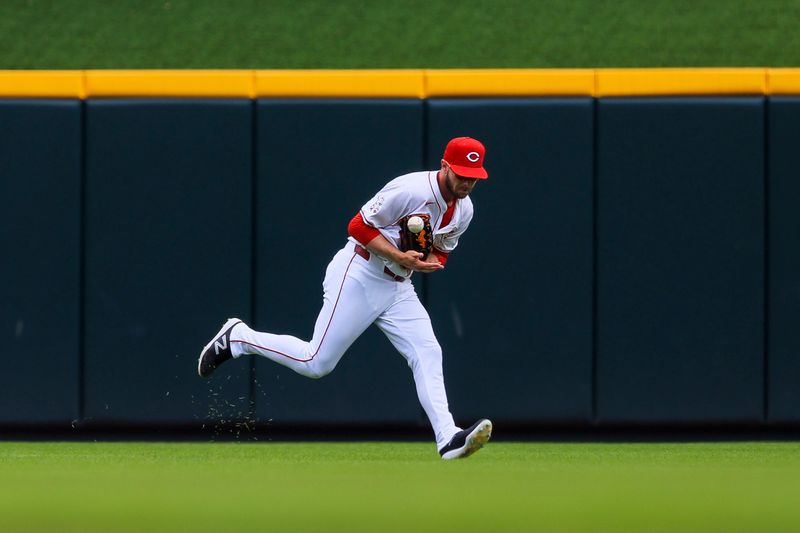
column 221, row 344
column 218, row 349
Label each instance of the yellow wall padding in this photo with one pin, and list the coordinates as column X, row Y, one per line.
column 196, row 83
column 42, row 84
column 403, row 83
column 680, row 81
column 783, row 81
column 510, row 82
column 340, row 83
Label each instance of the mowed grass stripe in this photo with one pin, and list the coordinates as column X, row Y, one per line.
column 398, row 487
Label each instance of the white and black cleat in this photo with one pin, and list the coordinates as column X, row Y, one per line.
column 468, row 441
column 218, row 350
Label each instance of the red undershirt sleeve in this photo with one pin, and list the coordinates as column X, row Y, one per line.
column 360, row 230
column 441, row 255
column 448, row 216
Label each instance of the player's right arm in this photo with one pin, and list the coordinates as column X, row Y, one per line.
column 410, row 259
column 376, row 243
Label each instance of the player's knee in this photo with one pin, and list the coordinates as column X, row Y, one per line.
column 432, row 357
column 317, row 370
column 433, row 350
column 428, row 354
column 316, row 374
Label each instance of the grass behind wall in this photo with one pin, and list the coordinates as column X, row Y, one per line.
column 73, row 34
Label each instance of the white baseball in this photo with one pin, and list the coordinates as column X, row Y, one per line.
column 415, row 224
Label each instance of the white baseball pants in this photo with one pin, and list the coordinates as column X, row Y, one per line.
column 358, row 293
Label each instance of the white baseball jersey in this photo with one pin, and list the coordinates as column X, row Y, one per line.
column 359, row 293
column 415, row 194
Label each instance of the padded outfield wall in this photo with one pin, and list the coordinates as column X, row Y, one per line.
column 632, row 259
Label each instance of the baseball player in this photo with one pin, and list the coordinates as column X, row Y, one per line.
column 411, row 225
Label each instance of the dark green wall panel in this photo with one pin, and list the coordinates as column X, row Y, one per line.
column 784, row 260
column 680, row 260
column 40, row 177
column 513, row 307
column 168, row 236
column 319, row 161
column 175, row 242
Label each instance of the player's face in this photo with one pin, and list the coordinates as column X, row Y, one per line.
column 458, row 186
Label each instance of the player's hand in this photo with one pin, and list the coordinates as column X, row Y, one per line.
column 414, row 261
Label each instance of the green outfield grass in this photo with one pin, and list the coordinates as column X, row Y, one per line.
column 397, row 33
column 398, row 487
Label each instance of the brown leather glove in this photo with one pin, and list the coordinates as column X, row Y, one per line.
column 420, row 241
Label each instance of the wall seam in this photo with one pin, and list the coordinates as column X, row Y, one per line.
column 766, row 237
column 253, row 243
column 595, row 104
column 82, row 255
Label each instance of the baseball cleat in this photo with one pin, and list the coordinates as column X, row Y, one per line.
column 468, row 441
column 218, row 350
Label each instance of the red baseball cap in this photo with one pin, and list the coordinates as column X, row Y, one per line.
column 465, row 156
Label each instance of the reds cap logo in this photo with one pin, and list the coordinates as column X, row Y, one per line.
column 465, row 156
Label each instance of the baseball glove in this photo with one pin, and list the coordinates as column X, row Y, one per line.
column 421, row 241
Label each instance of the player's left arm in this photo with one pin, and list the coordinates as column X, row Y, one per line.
column 445, row 243
column 437, row 256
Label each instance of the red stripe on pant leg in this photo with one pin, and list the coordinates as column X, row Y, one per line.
column 323, row 335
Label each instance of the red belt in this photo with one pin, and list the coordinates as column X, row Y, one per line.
column 363, row 252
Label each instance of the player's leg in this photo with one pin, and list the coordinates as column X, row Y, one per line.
column 345, row 315
column 407, row 325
